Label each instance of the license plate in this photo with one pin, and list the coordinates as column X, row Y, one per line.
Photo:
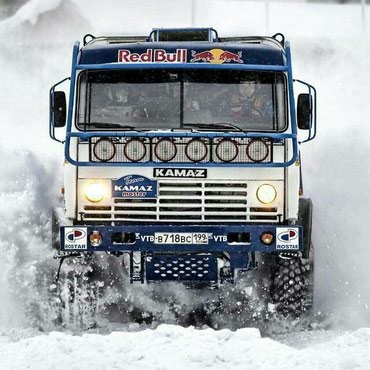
column 180, row 238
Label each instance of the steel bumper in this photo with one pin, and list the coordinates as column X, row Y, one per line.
column 163, row 238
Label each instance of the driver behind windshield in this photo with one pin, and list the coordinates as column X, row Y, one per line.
column 249, row 101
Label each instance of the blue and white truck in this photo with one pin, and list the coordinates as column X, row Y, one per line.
column 182, row 152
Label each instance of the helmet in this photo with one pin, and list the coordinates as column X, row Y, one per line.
column 247, row 88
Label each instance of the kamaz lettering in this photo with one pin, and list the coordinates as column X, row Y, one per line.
column 179, row 172
column 133, row 188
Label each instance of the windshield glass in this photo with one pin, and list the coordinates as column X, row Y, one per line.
column 163, row 99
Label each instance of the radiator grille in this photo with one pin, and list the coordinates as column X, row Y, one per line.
column 198, row 201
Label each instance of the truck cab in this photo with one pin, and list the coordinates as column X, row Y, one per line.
column 182, row 152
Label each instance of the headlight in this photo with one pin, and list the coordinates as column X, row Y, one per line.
column 94, row 192
column 266, row 194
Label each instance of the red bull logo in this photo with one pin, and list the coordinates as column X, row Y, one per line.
column 216, row 56
column 153, row 56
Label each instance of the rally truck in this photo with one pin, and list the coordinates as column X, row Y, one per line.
column 182, row 154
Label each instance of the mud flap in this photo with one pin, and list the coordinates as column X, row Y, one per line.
column 305, row 220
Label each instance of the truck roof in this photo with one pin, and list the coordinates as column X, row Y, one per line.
column 253, row 50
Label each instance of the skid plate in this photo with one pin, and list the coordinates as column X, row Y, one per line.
column 181, row 268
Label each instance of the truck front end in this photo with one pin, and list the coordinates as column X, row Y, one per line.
column 182, row 153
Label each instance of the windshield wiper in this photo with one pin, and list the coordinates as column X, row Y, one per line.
column 112, row 125
column 216, row 125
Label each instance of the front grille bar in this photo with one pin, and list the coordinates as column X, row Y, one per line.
column 201, row 201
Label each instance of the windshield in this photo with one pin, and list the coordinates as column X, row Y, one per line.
column 163, row 99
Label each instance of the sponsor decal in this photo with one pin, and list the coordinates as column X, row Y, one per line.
column 216, row 56
column 75, row 238
column 153, row 56
column 134, row 186
column 287, row 238
column 180, row 172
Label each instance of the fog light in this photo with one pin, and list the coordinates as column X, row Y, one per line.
column 266, row 194
column 95, row 238
column 267, row 238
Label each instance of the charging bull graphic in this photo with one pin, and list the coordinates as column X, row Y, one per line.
column 216, row 56
column 227, row 56
column 204, row 56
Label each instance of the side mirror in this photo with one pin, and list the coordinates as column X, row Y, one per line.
column 58, row 108
column 304, row 111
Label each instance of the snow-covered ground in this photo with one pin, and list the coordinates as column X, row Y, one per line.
column 174, row 347
column 35, row 53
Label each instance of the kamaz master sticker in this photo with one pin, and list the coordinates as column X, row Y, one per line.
column 75, row 238
column 287, row 238
column 134, row 186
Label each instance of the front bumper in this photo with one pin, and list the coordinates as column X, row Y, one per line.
column 241, row 238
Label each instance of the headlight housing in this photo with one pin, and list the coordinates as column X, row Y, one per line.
column 266, row 194
column 94, row 192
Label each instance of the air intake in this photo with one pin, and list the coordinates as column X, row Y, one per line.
column 183, row 34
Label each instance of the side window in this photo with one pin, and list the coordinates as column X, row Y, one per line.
column 280, row 102
column 82, row 115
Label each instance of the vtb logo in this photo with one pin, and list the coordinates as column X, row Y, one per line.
column 288, row 236
column 75, row 235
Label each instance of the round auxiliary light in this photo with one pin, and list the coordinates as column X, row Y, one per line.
column 257, row 150
column 135, row 150
column 227, row 150
column 196, row 150
column 266, row 194
column 94, row 192
column 95, row 238
column 104, row 150
column 165, row 150
column 267, row 238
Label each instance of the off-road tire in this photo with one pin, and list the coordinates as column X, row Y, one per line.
column 291, row 288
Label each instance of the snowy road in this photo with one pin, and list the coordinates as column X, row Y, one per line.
column 174, row 347
column 336, row 168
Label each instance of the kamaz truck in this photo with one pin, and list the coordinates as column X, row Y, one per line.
column 182, row 154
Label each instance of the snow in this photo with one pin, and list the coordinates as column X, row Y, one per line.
column 30, row 12
column 333, row 55
column 170, row 346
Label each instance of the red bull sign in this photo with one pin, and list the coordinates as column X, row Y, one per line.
column 216, row 56
column 153, row 56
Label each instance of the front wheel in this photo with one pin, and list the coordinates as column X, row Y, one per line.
column 291, row 289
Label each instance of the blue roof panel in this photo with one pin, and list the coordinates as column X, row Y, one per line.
column 170, row 52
